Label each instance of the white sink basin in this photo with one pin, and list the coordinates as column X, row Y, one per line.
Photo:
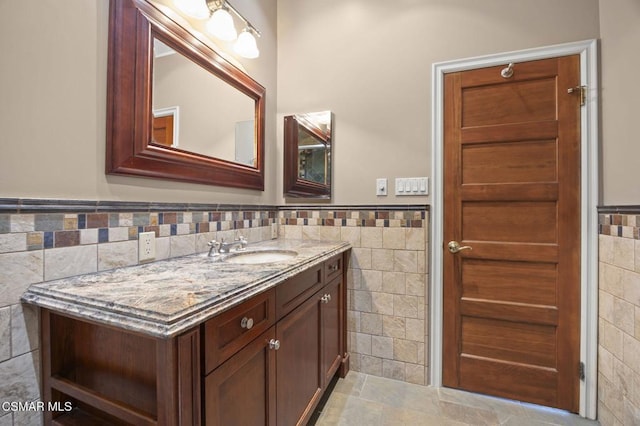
column 259, row 256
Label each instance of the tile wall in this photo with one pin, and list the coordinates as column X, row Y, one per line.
column 387, row 286
column 619, row 319
column 43, row 241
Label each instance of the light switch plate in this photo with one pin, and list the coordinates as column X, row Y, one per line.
column 412, row 186
column 381, row 186
column 146, row 246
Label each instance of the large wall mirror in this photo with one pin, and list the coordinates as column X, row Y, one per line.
column 307, row 154
column 176, row 109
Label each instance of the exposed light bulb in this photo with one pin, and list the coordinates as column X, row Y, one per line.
column 246, row 45
column 221, row 25
column 194, row 8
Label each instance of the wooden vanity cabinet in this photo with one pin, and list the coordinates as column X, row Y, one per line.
column 266, row 361
column 111, row 376
column 280, row 377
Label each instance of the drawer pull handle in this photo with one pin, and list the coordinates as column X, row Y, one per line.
column 246, row 323
column 274, row 344
column 334, row 267
column 326, row 298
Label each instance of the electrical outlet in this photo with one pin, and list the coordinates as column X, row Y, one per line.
column 146, row 246
column 274, row 231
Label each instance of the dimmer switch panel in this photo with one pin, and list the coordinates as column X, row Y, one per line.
column 412, row 186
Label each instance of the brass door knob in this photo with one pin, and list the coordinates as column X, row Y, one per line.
column 454, row 247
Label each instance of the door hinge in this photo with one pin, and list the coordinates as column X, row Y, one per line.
column 581, row 371
column 582, row 92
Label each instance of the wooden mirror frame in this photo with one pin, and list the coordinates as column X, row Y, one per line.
column 294, row 186
column 133, row 24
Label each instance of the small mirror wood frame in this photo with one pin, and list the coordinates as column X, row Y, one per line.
column 294, row 186
column 133, row 24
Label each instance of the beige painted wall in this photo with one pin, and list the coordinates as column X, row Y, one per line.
column 53, row 76
column 369, row 61
column 620, row 101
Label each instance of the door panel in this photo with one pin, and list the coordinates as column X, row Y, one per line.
column 511, row 173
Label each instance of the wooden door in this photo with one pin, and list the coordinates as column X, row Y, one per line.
column 298, row 363
column 242, row 391
column 330, row 330
column 512, row 194
column 163, row 130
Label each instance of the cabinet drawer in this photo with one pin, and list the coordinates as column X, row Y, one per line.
column 297, row 289
column 333, row 268
column 230, row 331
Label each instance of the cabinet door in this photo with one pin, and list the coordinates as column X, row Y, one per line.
column 298, row 363
column 331, row 330
column 242, row 391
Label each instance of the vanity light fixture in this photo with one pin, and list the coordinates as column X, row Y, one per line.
column 220, row 23
column 193, row 8
column 246, row 45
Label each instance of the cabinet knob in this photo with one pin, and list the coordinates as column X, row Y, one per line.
column 326, row 298
column 246, row 323
column 274, row 344
column 333, row 267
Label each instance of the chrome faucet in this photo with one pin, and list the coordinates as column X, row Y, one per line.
column 225, row 247
column 214, row 248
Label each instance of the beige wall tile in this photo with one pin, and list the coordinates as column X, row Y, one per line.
column 611, row 339
column 363, row 301
column 330, row 233
column 116, row 255
column 623, row 253
column 361, row 258
column 371, row 237
column 415, row 373
column 291, row 232
column 163, row 248
column 415, row 329
column 118, row 234
column 610, row 279
column 24, row 329
column 371, row 365
column 393, row 238
column 605, row 302
column 605, row 363
column 362, row 343
column 382, row 259
column 382, row 346
column 416, row 239
column 351, row 235
column 22, row 222
column 406, row 260
column 182, row 245
column 405, row 306
column 393, row 369
column 605, row 248
column 20, row 378
column 632, row 352
column 394, row 282
column 19, row 271
column 405, row 350
column 623, row 316
column 69, row 261
column 394, row 326
column 372, row 280
column 13, row 242
column 637, row 330
column 382, row 303
column 310, row 232
column 416, row 284
column 5, row 333
column 631, row 287
column 371, row 323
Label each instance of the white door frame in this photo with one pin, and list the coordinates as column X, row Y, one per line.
column 588, row 51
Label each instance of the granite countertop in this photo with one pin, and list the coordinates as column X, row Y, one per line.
column 166, row 298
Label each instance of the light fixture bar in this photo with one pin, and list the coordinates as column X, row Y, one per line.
column 215, row 4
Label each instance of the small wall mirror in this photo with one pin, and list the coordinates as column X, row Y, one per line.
column 307, row 154
column 175, row 108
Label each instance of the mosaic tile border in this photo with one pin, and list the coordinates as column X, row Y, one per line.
column 358, row 217
column 56, row 230
column 48, row 224
column 619, row 221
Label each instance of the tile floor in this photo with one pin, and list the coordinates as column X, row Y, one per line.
column 360, row 399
